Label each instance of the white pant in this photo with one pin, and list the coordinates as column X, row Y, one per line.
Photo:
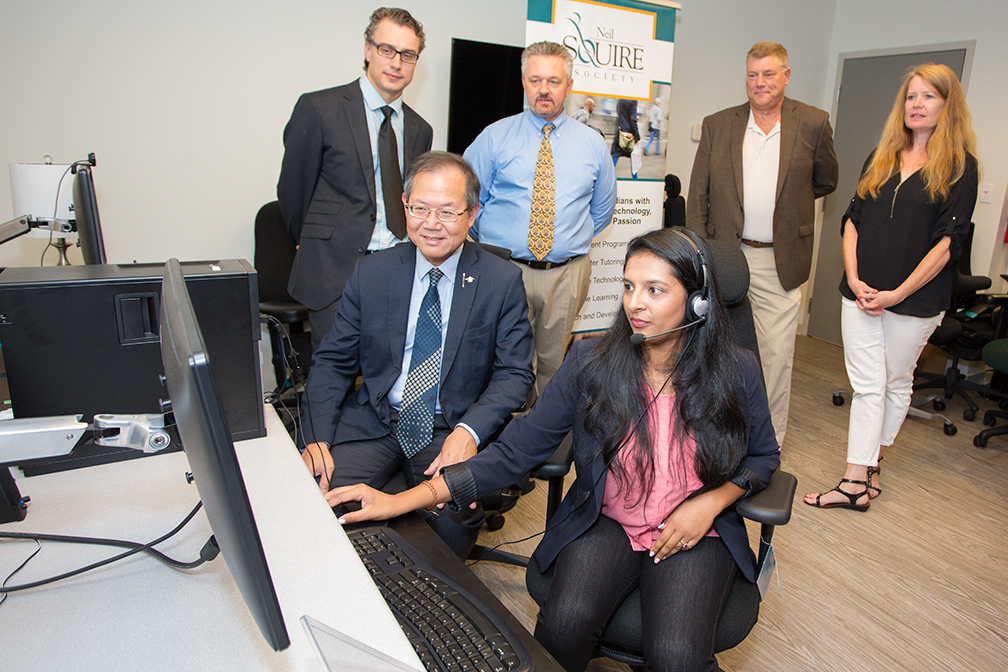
column 881, row 354
column 775, row 313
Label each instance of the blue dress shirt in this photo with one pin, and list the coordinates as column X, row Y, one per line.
column 446, row 290
column 504, row 158
column 382, row 238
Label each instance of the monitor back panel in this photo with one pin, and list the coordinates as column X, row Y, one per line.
column 84, row 339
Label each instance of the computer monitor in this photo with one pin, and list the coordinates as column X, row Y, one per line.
column 206, row 439
column 89, row 232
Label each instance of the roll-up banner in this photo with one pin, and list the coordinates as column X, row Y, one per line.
column 622, row 49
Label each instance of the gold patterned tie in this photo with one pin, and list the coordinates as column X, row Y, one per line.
column 540, row 238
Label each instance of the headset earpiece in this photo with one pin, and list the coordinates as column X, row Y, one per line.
column 697, row 304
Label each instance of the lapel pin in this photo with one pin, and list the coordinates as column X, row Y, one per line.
column 467, row 278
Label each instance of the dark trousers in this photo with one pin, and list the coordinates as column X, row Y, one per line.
column 321, row 322
column 381, row 464
column 681, row 599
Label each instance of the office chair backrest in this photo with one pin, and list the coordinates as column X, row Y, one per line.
column 732, row 273
column 675, row 204
column 274, row 254
column 965, row 264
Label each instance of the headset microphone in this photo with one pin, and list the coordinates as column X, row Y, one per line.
column 637, row 339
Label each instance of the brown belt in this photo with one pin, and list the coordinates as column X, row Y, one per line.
column 755, row 243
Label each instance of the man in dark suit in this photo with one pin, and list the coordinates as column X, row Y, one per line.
column 478, row 363
column 756, row 175
column 344, row 152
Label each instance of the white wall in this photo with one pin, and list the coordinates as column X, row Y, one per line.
column 185, row 105
column 711, row 41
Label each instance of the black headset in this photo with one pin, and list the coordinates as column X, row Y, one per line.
column 697, row 304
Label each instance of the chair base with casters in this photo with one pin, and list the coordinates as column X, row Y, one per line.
column 621, row 639
column 990, row 419
column 915, row 410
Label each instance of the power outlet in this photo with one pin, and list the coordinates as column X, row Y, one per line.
column 985, row 192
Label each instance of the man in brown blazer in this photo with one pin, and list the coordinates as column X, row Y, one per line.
column 757, row 172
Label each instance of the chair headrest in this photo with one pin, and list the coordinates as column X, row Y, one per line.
column 732, row 271
column 673, row 187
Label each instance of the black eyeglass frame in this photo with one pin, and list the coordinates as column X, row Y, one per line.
column 406, row 56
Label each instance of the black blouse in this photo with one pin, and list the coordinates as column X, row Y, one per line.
column 900, row 226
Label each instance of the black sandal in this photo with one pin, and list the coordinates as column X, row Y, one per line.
column 871, row 472
column 853, row 497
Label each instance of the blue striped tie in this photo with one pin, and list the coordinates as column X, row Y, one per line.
column 416, row 412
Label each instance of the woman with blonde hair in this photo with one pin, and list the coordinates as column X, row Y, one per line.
column 902, row 239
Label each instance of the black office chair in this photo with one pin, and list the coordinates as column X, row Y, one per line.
column 274, row 256
column 621, row 639
column 972, row 321
column 994, row 355
column 675, row 204
column 770, row 507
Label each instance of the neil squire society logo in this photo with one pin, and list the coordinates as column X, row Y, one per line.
column 599, row 54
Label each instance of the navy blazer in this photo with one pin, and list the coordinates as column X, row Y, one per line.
column 486, row 365
column 530, row 439
column 327, row 187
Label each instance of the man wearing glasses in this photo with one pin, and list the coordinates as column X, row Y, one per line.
column 345, row 150
column 439, row 330
column 756, row 175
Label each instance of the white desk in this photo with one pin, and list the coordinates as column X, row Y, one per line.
column 138, row 614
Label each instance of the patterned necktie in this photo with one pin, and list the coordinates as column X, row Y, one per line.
column 391, row 177
column 416, row 412
column 540, row 237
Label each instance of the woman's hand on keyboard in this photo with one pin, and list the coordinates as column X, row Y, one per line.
column 375, row 505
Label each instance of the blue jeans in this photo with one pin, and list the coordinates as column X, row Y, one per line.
column 653, row 137
column 615, row 160
column 681, row 599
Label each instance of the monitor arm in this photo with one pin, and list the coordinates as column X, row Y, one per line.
column 23, row 439
column 144, row 432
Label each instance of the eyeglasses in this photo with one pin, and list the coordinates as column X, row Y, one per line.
column 446, row 216
column 389, row 52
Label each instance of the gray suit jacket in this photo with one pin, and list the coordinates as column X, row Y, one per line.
column 327, row 187
column 808, row 169
column 486, row 366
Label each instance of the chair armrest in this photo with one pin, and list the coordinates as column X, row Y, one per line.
column 559, row 463
column 968, row 284
column 555, row 469
column 288, row 313
column 772, row 504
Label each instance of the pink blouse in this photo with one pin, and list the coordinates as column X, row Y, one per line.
column 675, row 478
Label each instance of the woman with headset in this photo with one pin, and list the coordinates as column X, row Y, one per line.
column 670, row 427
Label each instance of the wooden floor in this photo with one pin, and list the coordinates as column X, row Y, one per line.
column 919, row 582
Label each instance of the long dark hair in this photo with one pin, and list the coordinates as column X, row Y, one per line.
column 705, row 380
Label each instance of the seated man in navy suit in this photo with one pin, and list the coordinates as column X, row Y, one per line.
column 438, row 327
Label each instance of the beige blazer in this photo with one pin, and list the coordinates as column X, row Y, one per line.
column 808, row 170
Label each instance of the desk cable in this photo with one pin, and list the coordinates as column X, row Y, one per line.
column 208, row 552
column 38, row 547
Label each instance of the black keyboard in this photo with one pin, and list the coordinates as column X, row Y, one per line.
column 449, row 628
